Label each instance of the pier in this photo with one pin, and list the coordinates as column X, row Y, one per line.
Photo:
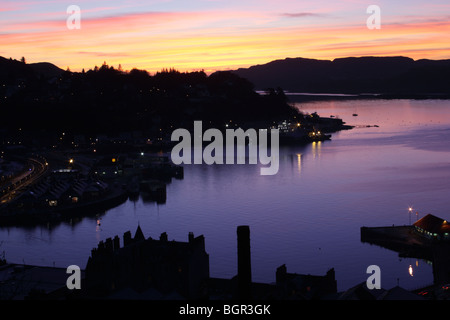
column 402, row 239
column 426, row 239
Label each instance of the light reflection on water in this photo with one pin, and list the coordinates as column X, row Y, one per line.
column 308, row 216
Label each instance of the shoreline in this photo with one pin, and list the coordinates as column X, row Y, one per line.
column 306, row 97
column 114, row 198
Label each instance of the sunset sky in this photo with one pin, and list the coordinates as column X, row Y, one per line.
column 218, row 35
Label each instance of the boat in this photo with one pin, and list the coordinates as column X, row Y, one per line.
column 318, row 136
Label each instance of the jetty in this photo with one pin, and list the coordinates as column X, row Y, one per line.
column 427, row 239
column 402, row 239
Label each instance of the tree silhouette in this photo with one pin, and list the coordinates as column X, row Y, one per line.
column 106, row 100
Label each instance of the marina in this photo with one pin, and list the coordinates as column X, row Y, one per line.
column 66, row 193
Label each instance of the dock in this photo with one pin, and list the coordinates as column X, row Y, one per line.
column 402, row 239
column 411, row 244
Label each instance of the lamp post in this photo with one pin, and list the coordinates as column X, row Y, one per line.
column 410, row 209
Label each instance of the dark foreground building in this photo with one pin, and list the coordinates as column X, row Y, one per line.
column 161, row 269
column 179, row 269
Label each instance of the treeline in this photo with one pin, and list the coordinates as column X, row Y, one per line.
column 107, row 99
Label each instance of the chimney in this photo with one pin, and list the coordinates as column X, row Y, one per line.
column 281, row 273
column 191, row 237
column 126, row 238
column 244, row 263
column 94, row 252
column 116, row 243
column 101, row 247
column 109, row 245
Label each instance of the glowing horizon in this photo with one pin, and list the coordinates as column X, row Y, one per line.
column 216, row 35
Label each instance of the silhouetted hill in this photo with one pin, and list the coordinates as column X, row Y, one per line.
column 43, row 97
column 46, row 69
column 11, row 70
column 391, row 75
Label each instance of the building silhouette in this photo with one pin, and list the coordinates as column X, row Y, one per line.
column 162, row 269
column 141, row 264
column 432, row 227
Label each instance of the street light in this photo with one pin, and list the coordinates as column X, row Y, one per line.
column 410, row 209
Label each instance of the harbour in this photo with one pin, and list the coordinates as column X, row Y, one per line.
column 325, row 192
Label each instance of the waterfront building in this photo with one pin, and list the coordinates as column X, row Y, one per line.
column 433, row 227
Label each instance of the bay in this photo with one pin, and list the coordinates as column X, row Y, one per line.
column 308, row 216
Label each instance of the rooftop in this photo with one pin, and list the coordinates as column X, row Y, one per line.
column 433, row 224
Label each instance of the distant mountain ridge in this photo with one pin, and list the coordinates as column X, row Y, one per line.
column 353, row 75
column 401, row 75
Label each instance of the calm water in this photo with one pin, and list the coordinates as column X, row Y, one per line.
column 308, row 216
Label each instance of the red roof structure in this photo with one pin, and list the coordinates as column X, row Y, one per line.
column 433, row 226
